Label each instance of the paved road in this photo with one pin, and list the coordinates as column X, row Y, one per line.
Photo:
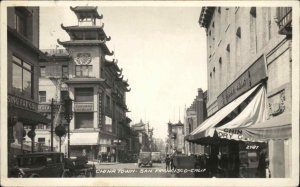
column 132, row 170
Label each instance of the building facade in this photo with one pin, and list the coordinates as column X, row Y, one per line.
column 144, row 135
column 247, row 46
column 94, row 83
column 194, row 116
column 175, row 141
column 22, row 77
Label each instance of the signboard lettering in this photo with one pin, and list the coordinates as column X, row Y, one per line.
column 84, row 107
column 253, row 75
column 22, row 103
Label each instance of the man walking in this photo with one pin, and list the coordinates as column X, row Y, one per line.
column 168, row 160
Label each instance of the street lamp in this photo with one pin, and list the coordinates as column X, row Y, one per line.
column 68, row 116
column 60, row 131
column 117, row 142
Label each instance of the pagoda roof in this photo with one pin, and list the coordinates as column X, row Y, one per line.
column 113, row 63
column 206, row 16
column 86, row 12
column 70, row 29
column 100, row 43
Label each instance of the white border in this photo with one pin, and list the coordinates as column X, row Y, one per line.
column 293, row 181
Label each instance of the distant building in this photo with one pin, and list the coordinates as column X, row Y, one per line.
column 194, row 116
column 144, row 134
column 175, row 138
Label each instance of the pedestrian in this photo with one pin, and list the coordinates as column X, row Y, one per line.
column 99, row 157
column 262, row 165
column 168, row 160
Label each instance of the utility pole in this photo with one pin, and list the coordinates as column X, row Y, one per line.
column 52, row 111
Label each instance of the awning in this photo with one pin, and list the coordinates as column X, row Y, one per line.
column 29, row 117
column 84, row 138
column 254, row 113
column 202, row 130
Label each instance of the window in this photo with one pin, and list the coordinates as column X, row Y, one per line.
column 20, row 21
column 228, row 63
column 83, row 70
column 253, row 31
column 107, row 104
column 84, row 120
column 41, row 140
column 42, row 71
column 65, row 71
column 22, row 75
column 64, row 95
column 42, row 96
column 84, row 94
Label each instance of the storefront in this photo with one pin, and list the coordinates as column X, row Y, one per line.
column 244, row 133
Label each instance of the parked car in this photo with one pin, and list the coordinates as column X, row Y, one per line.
column 145, row 159
column 156, row 157
column 44, row 164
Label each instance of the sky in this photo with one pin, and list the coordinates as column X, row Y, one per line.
column 162, row 51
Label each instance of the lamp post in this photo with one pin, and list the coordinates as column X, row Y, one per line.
column 68, row 116
column 60, row 131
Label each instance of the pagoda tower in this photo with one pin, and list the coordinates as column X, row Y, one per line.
column 87, row 45
column 88, row 85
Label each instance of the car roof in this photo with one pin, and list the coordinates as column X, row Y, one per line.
column 40, row 154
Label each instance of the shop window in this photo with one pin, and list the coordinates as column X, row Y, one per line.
column 84, row 94
column 84, row 120
column 42, row 71
column 83, row 70
column 41, row 140
column 42, row 96
column 22, row 75
column 64, row 95
column 107, row 104
column 65, row 71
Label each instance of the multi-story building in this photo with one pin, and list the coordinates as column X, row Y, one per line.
column 175, row 138
column 22, row 78
column 194, row 116
column 95, row 84
column 247, row 47
column 144, row 135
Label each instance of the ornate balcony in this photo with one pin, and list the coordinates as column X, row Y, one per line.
column 284, row 20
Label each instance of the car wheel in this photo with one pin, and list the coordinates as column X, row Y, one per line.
column 66, row 174
column 88, row 174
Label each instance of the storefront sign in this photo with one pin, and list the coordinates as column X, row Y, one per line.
column 44, row 108
column 253, row 75
column 22, row 103
column 83, row 107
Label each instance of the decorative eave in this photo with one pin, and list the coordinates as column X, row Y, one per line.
column 82, row 11
column 100, row 43
column 113, row 63
column 206, row 16
column 99, row 29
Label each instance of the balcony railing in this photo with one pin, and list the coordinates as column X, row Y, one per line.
column 284, row 20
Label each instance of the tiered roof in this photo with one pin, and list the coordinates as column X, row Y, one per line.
column 89, row 13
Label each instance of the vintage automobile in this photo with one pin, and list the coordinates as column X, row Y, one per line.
column 145, row 159
column 78, row 167
column 156, row 157
column 51, row 164
column 44, row 164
